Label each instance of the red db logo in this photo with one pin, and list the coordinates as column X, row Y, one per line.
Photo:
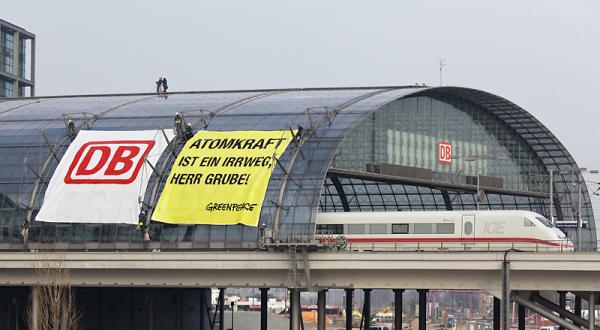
column 116, row 162
column 445, row 152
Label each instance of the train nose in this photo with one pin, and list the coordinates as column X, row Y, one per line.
column 560, row 234
column 568, row 245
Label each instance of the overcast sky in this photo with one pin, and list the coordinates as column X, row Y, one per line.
column 542, row 55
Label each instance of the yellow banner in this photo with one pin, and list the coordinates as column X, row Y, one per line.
column 220, row 178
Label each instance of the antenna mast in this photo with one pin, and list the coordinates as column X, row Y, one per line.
column 442, row 64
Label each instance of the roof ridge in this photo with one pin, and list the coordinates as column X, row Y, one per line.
column 216, row 92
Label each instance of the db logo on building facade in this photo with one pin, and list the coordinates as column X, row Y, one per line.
column 445, row 152
column 116, row 162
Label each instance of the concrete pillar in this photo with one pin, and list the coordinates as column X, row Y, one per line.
column 521, row 317
column 32, row 90
column 422, row 309
column 367, row 309
column 16, row 48
column 205, row 307
column 295, row 309
column 349, row 294
column 578, row 305
column 398, row 309
column 151, row 309
column 496, row 313
column 35, row 307
column 322, row 306
column 562, row 302
column 221, row 304
column 177, row 292
column 591, row 310
column 264, row 306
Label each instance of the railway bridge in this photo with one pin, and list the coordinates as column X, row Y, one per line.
column 509, row 275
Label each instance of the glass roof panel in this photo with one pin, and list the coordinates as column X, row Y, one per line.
column 298, row 101
column 188, row 104
column 74, row 106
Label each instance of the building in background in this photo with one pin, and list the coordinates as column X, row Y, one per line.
column 17, row 61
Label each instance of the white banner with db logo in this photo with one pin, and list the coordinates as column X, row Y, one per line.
column 101, row 176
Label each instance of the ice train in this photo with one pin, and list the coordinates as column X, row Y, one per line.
column 442, row 230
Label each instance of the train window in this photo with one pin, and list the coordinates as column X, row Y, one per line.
column 444, row 228
column 528, row 223
column 378, row 228
column 545, row 222
column 468, row 230
column 423, row 228
column 356, row 229
column 400, row 228
column 330, row 229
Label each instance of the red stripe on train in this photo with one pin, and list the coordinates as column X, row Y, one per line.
column 442, row 240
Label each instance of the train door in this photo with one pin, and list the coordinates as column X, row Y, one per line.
column 468, row 228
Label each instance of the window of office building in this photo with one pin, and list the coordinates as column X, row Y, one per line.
column 7, row 48
column 6, row 88
column 22, row 57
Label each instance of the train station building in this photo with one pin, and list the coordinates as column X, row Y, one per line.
column 405, row 148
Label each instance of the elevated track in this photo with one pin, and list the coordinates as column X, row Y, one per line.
column 383, row 270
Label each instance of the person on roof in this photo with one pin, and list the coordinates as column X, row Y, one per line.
column 159, row 85
column 163, row 81
column 189, row 132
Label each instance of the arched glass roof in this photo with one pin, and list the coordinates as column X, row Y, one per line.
column 33, row 138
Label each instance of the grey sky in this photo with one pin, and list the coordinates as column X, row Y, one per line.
column 542, row 55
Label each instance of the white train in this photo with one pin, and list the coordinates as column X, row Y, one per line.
column 442, row 230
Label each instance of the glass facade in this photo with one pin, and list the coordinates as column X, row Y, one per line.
column 33, row 138
column 22, row 54
column 7, row 44
column 408, row 133
column 351, row 194
column 6, row 88
column 15, row 63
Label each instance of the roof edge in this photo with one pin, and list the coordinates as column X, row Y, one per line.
column 215, row 92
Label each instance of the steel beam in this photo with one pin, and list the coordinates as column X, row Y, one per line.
column 562, row 312
column 367, row 309
column 422, row 309
column 562, row 302
column 496, row 315
column 221, row 309
column 349, row 302
column 428, row 183
column 322, row 306
column 577, row 305
column 591, row 311
column 340, row 190
column 546, row 313
column 447, row 200
column 264, row 308
column 398, row 308
column 521, row 317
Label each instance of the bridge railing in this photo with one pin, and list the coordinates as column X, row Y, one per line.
column 331, row 242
